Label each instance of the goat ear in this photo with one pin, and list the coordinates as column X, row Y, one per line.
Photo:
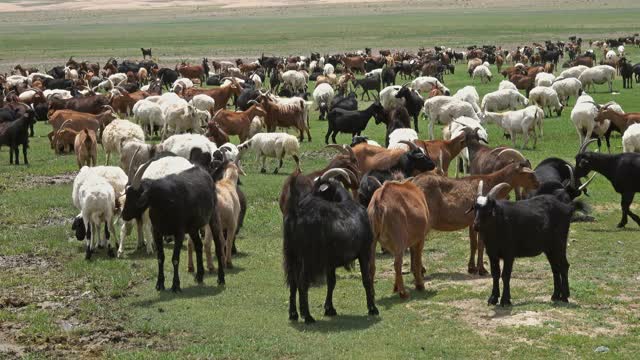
column 143, row 200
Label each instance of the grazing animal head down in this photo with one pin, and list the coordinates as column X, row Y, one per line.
column 584, row 164
column 137, row 195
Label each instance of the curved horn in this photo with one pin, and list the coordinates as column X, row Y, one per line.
column 252, row 102
column 514, row 151
column 440, row 162
column 137, row 178
column 63, row 124
column 584, row 146
column 410, row 144
column 405, row 84
column 331, row 173
column 480, row 186
column 496, row 189
column 587, row 183
column 573, row 178
column 131, row 162
column 375, row 180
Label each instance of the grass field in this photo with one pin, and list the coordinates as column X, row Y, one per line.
column 54, row 303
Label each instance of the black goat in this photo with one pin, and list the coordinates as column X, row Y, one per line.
column 146, row 52
column 396, row 118
column 15, row 133
column 413, row 101
column 242, row 103
column 388, row 76
column 324, row 228
column 348, row 121
column 556, row 177
column 524, row 228
column 622, row 170
column 178, row 204
column 349, row 102
column 636, row 72
column 62, row 84
column 368, row 83
column 57, row 72
column 626, row 71
column 168, row 77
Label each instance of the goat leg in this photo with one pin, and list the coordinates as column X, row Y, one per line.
column 506, row 279
column 190, row 256
column 214, row 226
column 416, row 265
column 175, row 261
column 293, row 311
column 303, row 293
column 197, row 243
column 398, row 284
column 157, row 238
column 495, row 274
column 473, row 246
column 329, row 310
column 24, row 153
column 365, row 260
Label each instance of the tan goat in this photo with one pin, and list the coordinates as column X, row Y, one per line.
column 85, row 146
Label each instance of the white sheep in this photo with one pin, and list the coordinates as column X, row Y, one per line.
column 522, row 121
column 275, row 145
column 257, row 81
column 31, row 76
column 181, row 84
column 103, row 85
column 501, row 100
column 294, row 80
column 403, row 134
column 507, row 85
column 427, row 83
column 15, row 80
column 597, row 75
column 323, row 94
column 97, row 203
column 180, row 118
column 432, row 110
column 631, row 139
column 114, row 175
column 118, row 132
column 375, row 74
column 328, row 69
column 456, row 127
column 388, row 98
column 470, row 95
column 203, row 102
column 482, row 72
column 59, row 93
column 182, row 144
column 621, row 51
column 611, row 55
column 546, row 98
column 257, row 126
column 148, row 115
column 455, row 109
column 117, row 79
column 71, row 74
column 566, row 88
column 572, row 72
column 583, row 117
column 544, row 79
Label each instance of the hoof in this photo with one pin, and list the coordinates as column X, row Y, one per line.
column 190, row 269
column 493, row 300
column 229, row 265
column 309, row 320
column 176, row 288
column 374, row 311
column 330, row 312
column 110, row 253
column 221, row 281
column 160, row 286
column 472, row 270
column 482, row 271
column 275, row 171
column 419, row 287
column 403, row 294
column 199, row 278
column 504, row 302
column 263, row 170
column 621, row 225
column 212, row 270
column 293, row 316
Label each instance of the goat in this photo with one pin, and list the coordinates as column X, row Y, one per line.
column 353, row 122
column 15, row 133
column 237, row 123
column 85, row 146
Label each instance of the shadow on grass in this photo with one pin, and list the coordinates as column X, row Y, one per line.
column 337, row 323
column 393, row 299
column 189, row 292
column 455, row 276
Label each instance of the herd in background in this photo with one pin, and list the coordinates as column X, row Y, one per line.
column 394, row 195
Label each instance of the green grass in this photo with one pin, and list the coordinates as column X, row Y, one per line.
column 247, row 318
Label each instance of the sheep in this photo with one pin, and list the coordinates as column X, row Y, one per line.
column 565, row 88
column 181, row 118
column 544, row 79
column 294, row 80
column 547, row 99
column 583, row 117
column 85, row 146
column 519, row 122
column 275, row 145
column 257, row 126
column 148, row 115
column 324, row 228
column 97, row 202
column 432, row 110
column 483, row 73
column 181, row 85
column 631, row 139
column 257, row 81
column 598, row 75
column 178, row 204
column 183, row 144
column 470, row 95
column 455, row 109
column 230, row 151
column 71, row 74
column 572, row 72
column 203, row 102
column 118, row 132
column 328, row 69
column 323, row 94
column 388, row 98
column 503, row 100
column 59, row 93
column 426, row 83
column 524, row 229
column 398, row 135
column 506, row 84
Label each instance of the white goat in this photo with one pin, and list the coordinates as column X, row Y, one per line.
column 456, row 127
column 118, row 132
column 503, row 100
column 598, row 75
column 583, row 117
column 275, row 145
column 403, row 134
column 180, row 118
column 522, row 121
column 148, row 115
column 182, row 144
column 546, row 98
column 470, row 95
column 631, row 139
column 566, row 88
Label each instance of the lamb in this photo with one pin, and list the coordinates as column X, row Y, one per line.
column 598, row 75
column 183, row 144
column 503, row 100
column 148, row 115
column 323, row 94
column 470, row 95
column 583, row 117
column 566, row 88
column 631, row 139
column 506, row 84
column 544, row 79
column 182, row 118
column 117, row 133
column 275, row 145
column 85, row 146
column 519, row 122
column 482, row 72
column 547, row 99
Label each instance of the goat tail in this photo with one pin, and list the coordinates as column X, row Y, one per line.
column 376, row 212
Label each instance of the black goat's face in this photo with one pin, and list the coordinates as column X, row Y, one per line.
column 421, row 162
column 404, row 91
column 485, row 210
column 137, row 201
column 583, row 165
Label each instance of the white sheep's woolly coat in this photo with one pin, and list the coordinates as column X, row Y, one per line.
column 118, row 132
column 506, row 99
column 631, row 139
column 182, row 144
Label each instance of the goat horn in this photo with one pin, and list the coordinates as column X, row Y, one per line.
column 440, row 162
column 410, row 144
column 588, row 182
column 496, row 189
column 572, row 177
column 131, row 162
column 480, row 186
column 331, row 173
column 514, row 151
column 137, row 178
column 63, row 124
column 584, row 146
column 252, row 102
column 375, row 180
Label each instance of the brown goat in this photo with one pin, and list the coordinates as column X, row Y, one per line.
column 353, row 63
column 221, row 95
column 621, row 121
column 583, row 60
column 78, row 121
column 238, row 123
column 64, row 140
column 532, row 71
column 86, row 148
column 513, row 70
column 523, row 82
column 399, row 218
column 450, row 199
column 448, row 148
column 290, row 114
column 215, row 134
column 123, row 102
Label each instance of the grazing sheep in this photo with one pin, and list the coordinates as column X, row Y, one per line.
column 432, row 110
column 483, row 73
column 546, row 98
column 203, row 102
column 97, row 203
column 148, row 115
column 519, row 122
column 275, row 145
column 426, row 83
column 182, row 118
column 470, row 95
column 507, row 85
column 182, row 144
column 572, row 72
column 118, row 132
column 597, row 75
column 631, row 139
column 544, row 79
column 503, row 100
column 583, row 117
column 402, row 135
column 565, row 88
column 323, row 94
